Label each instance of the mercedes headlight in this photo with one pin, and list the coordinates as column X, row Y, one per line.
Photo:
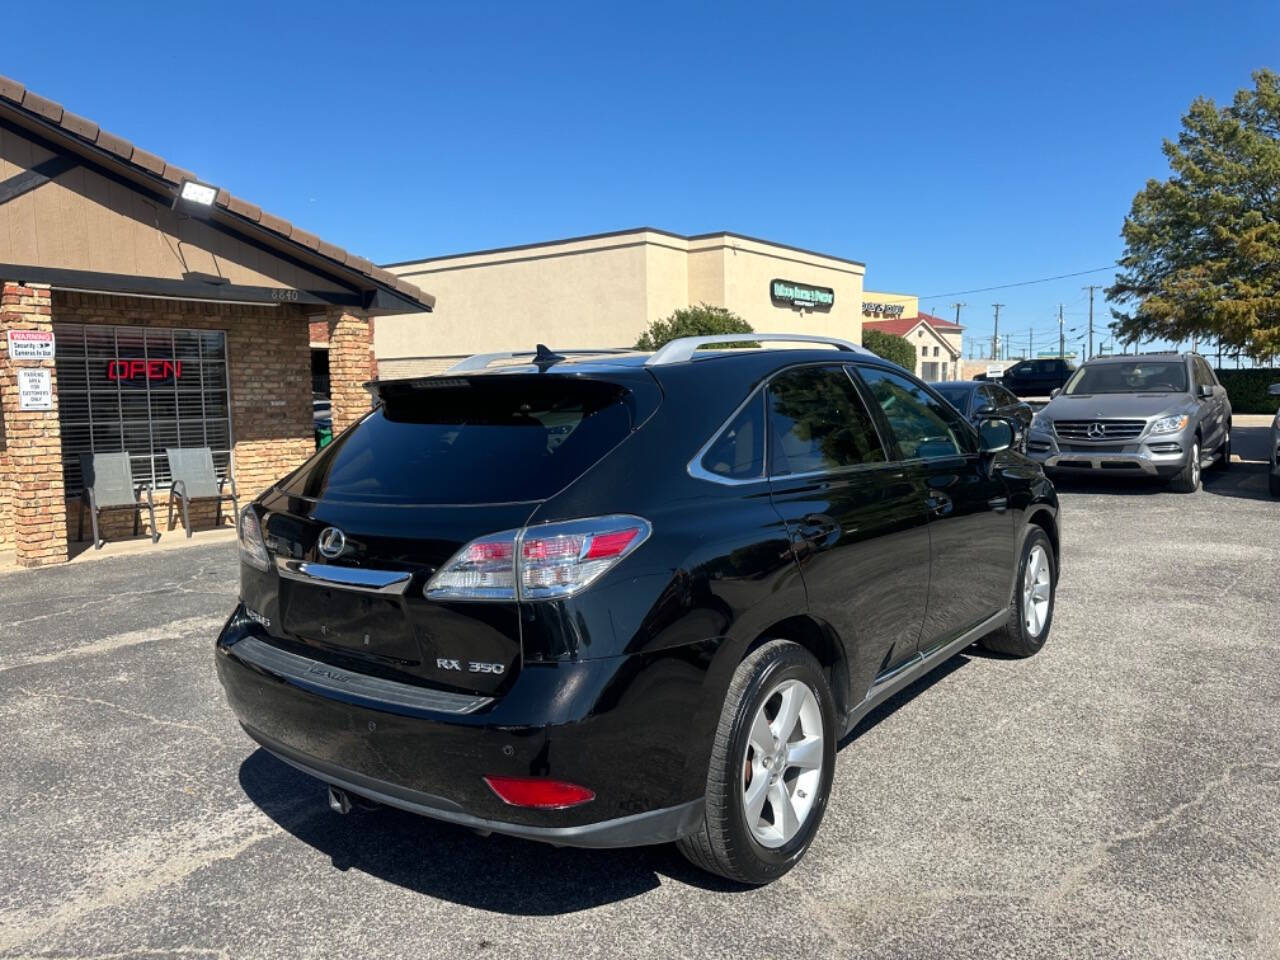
column 1169, row 424
column 1041, row 423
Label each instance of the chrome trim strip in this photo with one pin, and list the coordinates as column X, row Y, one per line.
column 389, row 582
column 324, row 678
column 902, row 675
column 683, row 349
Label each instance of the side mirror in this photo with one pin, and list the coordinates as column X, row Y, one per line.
column 1054, row 392
column 996, row 435
column 1274, row 390
column 984, row 411
column 1204, row 390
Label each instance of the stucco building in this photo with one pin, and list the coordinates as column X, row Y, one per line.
column 604, row 290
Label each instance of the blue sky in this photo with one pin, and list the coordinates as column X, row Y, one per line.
column 948, row 146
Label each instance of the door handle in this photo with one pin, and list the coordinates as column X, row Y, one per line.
column 939, row 504
column 816, row 527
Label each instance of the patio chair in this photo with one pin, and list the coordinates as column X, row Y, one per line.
column 108, row 482
column 194, row 478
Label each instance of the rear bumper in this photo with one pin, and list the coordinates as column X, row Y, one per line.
column 654, row 826
column 593, row 723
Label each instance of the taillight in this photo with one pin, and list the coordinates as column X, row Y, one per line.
column 544, row 562
column 539, row 793
column 253, row 549
column 482, row 570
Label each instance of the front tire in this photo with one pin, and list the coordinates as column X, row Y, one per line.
column 771, row 767
column 1187, row 480
column 1031, row 609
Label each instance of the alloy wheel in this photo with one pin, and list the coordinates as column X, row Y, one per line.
column 782, row 765
column 1195, row 465
column 1036, row 591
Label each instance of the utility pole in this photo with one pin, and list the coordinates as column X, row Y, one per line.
column 958, row 306
column 1062, row 344
column 1030, row 335
column 1089, row 355
column 995, row 333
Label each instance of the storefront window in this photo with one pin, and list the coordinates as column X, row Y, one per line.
column 140, row 390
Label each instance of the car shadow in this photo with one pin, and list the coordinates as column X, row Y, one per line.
column 1245, row 480
column 502, row 874
column 906, row 695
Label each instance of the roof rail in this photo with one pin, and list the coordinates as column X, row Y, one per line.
column 678, row 351
column 482, row 361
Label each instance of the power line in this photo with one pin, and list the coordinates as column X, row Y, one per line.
column 1020, row 283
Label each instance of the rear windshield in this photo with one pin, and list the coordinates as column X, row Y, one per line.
column 1130, row 376
column 492, row 439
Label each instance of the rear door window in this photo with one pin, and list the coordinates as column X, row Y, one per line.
column 818, row 423
column 484, row 439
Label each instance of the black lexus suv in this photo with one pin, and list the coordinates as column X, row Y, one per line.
column 608, row 599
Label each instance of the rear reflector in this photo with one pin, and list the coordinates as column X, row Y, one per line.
column 539, row 793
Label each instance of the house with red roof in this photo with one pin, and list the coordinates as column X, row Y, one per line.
column 937, row 342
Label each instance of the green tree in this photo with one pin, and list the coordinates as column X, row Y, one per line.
column 1202, row 248
column 891, row 347
column 699, row 321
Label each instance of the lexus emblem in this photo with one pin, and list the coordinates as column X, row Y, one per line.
column 332, row 541
column 1096, row 432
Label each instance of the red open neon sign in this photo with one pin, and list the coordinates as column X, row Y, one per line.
column 130, row 371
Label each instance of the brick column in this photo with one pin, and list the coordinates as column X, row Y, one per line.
column 33, row 438
column 350, row 367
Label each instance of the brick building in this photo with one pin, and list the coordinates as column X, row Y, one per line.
column 144, row 309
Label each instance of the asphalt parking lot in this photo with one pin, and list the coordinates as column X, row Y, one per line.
column 1117, row 795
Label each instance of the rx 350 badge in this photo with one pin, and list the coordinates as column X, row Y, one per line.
column 469, row 666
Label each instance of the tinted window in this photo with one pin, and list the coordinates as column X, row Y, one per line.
column 817, row 422
column 1002, row 397
column 479, row 440
column 1204, row 376
column 957, row 395
column 922, row 425
column 1024, row 369
column 1130, row 376
column 1049, row 367
column 738, row 450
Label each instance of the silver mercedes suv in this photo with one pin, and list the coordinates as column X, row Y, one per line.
column 1155, row 414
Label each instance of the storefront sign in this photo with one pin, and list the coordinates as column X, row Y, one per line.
column 792, row 294
column 35, row 388
column 30, row 345
column 139, row 372
column 872, row 309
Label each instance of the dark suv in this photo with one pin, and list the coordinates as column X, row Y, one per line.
column 609, row 600
column 1036, row 378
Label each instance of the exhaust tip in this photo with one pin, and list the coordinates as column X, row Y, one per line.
column 339, row 800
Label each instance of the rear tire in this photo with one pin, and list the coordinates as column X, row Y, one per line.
column 755, row 844
column 1031, row 609
column 1187, row 480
